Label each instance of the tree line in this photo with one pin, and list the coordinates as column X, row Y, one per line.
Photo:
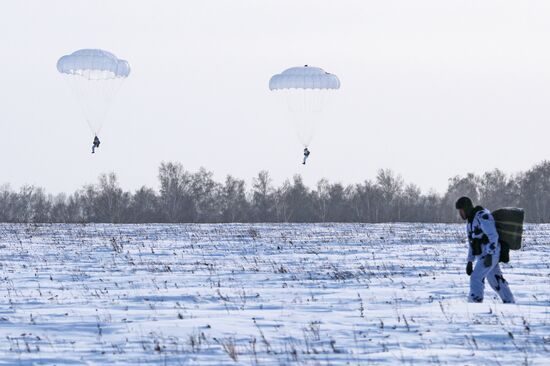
column 195, row 197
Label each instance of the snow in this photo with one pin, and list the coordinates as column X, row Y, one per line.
column 328, row 294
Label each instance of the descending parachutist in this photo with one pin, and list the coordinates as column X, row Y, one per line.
column 305, row 89
column 95, row 75
column 95, row 144
column 306, row 155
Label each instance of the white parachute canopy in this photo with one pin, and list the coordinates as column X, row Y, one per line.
column 95, row 76
column 306, row 89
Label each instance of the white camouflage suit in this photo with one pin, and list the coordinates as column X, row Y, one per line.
column 482, row 230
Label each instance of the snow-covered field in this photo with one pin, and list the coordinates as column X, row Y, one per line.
column 263, row 295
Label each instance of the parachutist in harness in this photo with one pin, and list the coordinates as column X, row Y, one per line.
column 306, row 155
column 95, row 144
column 94, row 75
column 305, row 88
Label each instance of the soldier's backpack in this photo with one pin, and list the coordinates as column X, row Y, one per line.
column 509, row 223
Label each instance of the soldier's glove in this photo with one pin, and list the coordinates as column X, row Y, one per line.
column 469, row 268
column 488, row 260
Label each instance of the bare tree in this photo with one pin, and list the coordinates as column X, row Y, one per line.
column 235, row 206
column 391, row 187
column 144, row 207
column 496, row 190
column 297, row 198
column 263, row 200
column 535, row 193
column 205, row 193
column 175, row 200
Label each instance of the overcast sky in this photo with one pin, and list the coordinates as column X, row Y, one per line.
column 430, row 89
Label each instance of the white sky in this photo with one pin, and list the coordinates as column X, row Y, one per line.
column 430, row 89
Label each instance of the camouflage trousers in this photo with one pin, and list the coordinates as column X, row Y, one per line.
column 493, row 274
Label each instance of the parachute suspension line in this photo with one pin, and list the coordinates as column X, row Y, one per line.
column 100, row 92
column 74, row 85
column 304, row 106
column 95, row 133
column 111, row 91
column 105, row 88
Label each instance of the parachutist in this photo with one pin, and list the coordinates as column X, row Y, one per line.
column 306, row 155
column 94, row 75
column 484, row 249
column 95, row 144
column 305, row 88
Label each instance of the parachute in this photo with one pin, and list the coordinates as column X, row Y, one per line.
column 509, row 224
column 306, row 89
column 95, row 76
